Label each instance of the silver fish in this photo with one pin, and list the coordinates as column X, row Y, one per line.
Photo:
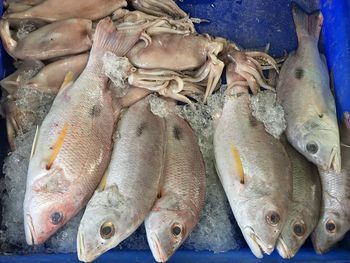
column 130, row 185
column 304, row 92
column 335, row 212
column 304, row 209
column 182, row 193
column 72, row 148
column 253, row 168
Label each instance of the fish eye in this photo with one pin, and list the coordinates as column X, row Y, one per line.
column 330, row 226
column 176, row 230
column 273, row 218
column 56, row 218
column 312, row 147
column 107, row 230
column 299, row 229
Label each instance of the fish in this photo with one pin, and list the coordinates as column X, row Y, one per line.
column 267, row 183
column 28, row 97
column 334, row 221
column 61, row 38
column 55, row 10
column 182, row 193
column 304, row 209
column 303, row 89
column 58, row 188
column 130, row 185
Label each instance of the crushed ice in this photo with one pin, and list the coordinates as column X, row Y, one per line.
column 208, row 235
column 266, row 109
column 117, row 70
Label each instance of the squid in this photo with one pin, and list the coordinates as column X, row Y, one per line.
column 159, row 8
column 173, row 63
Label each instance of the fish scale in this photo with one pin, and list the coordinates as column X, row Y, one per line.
column 131, row 183
column 182, row 190
column 267, row 180
column 73, row 163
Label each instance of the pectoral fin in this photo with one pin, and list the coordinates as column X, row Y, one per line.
column 237, row 163
column 57, row 147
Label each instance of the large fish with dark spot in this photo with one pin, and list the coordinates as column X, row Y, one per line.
column 72, row 148
column 130, row 185
column 254, row 169
column 334, row 221
column 182, row 193
column 304, row 209
column 304, row 92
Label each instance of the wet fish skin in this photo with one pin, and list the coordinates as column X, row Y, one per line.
column 334, row 220
column 305, row 205
column 77, row 132
column 54, row 10
column 266, row 167
column 61, row 38
column 179, row 205
column 304, row 92
column 131, row 183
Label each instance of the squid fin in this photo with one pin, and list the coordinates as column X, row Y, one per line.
column 57, row 147
column 35, row 141
column 238, row 163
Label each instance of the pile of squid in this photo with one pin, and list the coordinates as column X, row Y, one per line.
column 102, row 149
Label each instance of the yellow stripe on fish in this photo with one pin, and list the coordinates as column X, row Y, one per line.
column 67, row 79
column 57, row 147
column 238, row 163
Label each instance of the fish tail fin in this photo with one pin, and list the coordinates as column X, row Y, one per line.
column 8, row 42
column 305, row 24
column 107, row 38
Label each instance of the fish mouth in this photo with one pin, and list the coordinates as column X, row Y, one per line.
column 283, row 249
column 83, row 255
column 159, row 254
column 29, row 230
column 334, row 160
column 256, row 245
column 318, row 249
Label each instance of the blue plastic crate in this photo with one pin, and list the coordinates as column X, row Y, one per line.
column 251, row 24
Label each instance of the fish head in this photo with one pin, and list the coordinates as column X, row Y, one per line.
column 168, row 228
column 105, row 223
column 50, row 202
column 261, row 221
column 294, row 233
column 44, row 215
column 319, row 142
column 331, row 228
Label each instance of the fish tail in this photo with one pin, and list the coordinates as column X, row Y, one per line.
column 107, row 38
column 307, row 24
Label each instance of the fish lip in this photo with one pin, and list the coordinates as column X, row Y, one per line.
column 283, row 250
column 249, row 233
column 83, row 255
column 29, row 230
column 161, row 255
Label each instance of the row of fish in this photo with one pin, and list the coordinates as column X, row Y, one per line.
column 274, row 192
column 147, row 167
